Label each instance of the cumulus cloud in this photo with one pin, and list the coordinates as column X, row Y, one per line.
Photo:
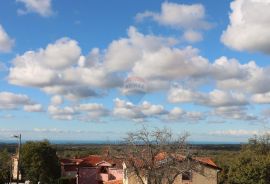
column 147, row 111
column 140, row 113
column 56, row 100
column 122, row 54
column 249, row 26
column 10, row 100
column 179, row 115
column 59, row 69
column 127, row 110
column 215, row 98
column 261, row 98
column 94, row 111
column 42, row 7
column 87, row 112
column 66, row 113
column 6, row 43
column 255, row 80
column 235, row 112
column 33, row 108
column 180, row 16
column 171, row 63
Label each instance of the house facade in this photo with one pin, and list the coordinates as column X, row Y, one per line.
column 206, row 172
column 91, row 170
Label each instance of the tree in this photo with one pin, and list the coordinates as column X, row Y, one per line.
column 155, row 157
column 4, row 166
column 39, row 162
column 252, row 165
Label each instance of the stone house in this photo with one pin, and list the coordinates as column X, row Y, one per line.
column 205, row 172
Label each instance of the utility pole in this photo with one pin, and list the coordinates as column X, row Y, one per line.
column 19, row 137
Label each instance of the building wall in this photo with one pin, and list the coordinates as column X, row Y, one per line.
column 88, row 175
column 14, row 160
column 116, row 174
column 206, row 175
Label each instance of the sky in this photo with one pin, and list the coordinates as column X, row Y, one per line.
column 95, row 70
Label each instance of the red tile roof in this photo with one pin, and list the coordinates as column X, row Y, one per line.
column 91, row 160
column 206, row 160
column 162, row 156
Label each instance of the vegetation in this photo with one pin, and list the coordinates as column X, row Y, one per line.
column 4, row 166
column 152, row 156
column 250, row 165
column 39, row 162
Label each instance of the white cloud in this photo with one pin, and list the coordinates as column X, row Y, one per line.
column 261, row 98
column 168, row 64
column 255, row 80
column 94, row 111
column 149, row 109
column 127, row 110
column 239, row 132
column 235, row 112
column 87, row 112
column 215, row 98
column 146, row 111
column 60, row 69
column 43, row 67
column 179, row 115
column 6, row 43
column 66, row 113
column 249, row 26
column 33, row 108
column 10, row 100
column 178, row 16
column 122, row 54
column 234, row 70
column 56, row 100
column 42, row 7
column 192, row 36
column 182, row 95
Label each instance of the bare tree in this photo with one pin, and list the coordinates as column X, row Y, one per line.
column 156, row 157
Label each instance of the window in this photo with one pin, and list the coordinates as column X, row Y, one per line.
column 187, row 175
column 104, row 170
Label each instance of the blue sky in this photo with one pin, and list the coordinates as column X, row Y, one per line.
column 203, row 67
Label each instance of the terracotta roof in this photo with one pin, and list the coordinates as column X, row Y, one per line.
column 71, row 161
column 162, row 156
column 113, row 182
column 207, row 161
column 91, row 160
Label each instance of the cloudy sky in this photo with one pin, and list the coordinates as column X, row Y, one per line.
column 203, row 67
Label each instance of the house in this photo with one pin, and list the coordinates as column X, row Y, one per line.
column 203, row 171
column 93, row 169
